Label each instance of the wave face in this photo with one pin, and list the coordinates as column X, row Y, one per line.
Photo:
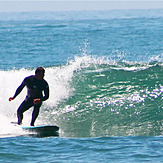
column 110, row 98
column 93, row 96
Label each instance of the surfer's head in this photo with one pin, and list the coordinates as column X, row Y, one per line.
column 40, row 72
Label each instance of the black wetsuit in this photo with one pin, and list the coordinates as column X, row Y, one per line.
column 35, row 90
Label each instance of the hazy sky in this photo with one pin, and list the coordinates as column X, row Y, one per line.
column 76, row 5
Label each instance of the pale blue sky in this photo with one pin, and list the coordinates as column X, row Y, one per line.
column 67, row 5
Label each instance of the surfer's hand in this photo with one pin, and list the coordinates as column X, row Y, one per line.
column 36, row 101
column 11, row 98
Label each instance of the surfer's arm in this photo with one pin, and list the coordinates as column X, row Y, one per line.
column 45, row 97
column 46, row 93
column 19, row 89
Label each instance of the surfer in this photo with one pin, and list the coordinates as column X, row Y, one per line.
column 36, row 86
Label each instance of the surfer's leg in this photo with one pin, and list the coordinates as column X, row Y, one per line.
column 25, row 105
column 35, row 113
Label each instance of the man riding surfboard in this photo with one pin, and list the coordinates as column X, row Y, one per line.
column 36, row 86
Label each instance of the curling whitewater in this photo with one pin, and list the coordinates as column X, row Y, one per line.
column 93, row 97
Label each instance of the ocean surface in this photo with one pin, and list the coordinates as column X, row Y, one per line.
column 105, row 73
